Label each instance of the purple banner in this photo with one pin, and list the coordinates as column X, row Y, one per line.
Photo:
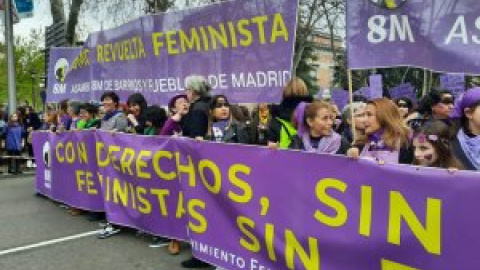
column 376, row 86
column 453, row 82
column 340, row 97
column 437, row 35
column 404, row 90
column 244, row 48
column 249, row 211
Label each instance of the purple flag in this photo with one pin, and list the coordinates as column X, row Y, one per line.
column 376, row 86
column 244, row 49
column 340, row 98
column 404, row 90
column 454, row 83
column 247, row 209
column 437, row 35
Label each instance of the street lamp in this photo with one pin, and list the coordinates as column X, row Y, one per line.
column 33, row 73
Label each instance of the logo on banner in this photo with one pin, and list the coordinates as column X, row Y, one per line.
column 60, row 72
column 61, row 69
column 389, row 4
column 47, row 160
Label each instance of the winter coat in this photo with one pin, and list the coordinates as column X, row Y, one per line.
column 13, row 137
column 235, row 133
column 195, row 123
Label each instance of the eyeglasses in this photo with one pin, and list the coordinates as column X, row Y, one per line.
column 222, row 104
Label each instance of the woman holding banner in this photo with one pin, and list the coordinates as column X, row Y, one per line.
column 221, row 126
column 314, row 123
column 137, row 106
column 387, row 136
column 466, row 144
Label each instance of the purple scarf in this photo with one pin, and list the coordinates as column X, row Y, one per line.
column 376, row 149
column 471, row 147
column 327, row 145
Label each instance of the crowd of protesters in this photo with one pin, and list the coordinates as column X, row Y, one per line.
column 440, row 132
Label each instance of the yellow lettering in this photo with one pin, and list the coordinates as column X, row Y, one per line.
column 341, row 211
column 157, row 44
column 366, row 212
column 260, row 21
column 171, row 42
column 246, row 33
column 156, row 165
column 161, row 194
column 146, row 207
column 251, row 244
column 239, row 183
column 120, row 192
column 127, row 159
column 60, row 158
column 217, row 176
column 429, row 236
column 99, row 148
column 278, row 29
column 292, row 247
column 142, row 164
column 202, row 224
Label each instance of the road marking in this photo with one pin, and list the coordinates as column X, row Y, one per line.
column 48, row 243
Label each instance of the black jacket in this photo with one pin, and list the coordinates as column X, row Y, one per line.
column 283, row 111
column 195, row 123
column 297, row 143
column 33, row 121
column 235, row 133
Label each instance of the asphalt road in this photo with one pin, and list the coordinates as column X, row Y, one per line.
column 27, row 220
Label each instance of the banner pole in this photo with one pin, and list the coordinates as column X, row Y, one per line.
column 350, row 93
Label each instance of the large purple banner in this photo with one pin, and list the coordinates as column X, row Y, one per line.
column 250, row 211
column 438, row 35
column 243, row 47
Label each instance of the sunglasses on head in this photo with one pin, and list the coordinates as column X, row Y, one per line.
column 447, row 101
column 222, row 104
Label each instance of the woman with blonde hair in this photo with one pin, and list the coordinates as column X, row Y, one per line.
column 281, row 131
column 387, row 136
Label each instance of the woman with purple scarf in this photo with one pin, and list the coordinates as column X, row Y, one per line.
column 387, row 136
column 466, row 144
column 314, row 122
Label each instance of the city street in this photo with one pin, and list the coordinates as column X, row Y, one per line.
column 35, row 233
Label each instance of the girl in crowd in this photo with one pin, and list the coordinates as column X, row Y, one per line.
column 155, row 118
column 467, row 140
column 314, row 123
column 387, row 135
column 281, row 130
column 74, row 112
column 137, row 107
column 88, row 114
column 64, row 119
column 358, row 117
column 222, row 128
column 14, row 133
column 178, row 107
column 260, row 122
column 432, row 147
column 50, row 121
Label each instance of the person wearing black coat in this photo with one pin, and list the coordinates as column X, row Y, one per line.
column 31, row 122
column 294, row 93
column 195, row 123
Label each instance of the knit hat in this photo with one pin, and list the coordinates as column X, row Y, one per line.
column 470, row 98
